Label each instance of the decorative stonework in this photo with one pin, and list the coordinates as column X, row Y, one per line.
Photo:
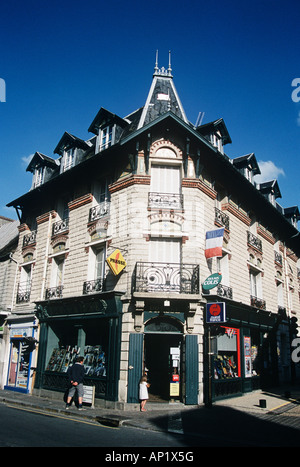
column 172, row 151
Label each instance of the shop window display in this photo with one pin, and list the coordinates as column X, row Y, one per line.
column 66, row 342
column 94, row 360
column 227, row 355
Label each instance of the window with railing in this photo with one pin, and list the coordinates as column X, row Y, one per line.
column 24, row 286
column 99, row 211
column 166, row 277
column 165, row 200
column 29, row 239
column 96, row 270
column 221, row 218
column 254, row 241
column 23, row 292
column 61, row 226
column 57, row 276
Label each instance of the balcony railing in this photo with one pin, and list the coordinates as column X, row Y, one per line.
column 221, row 218
column 166, row 277
column 224, row 291
column 54, row 292
column 23, row 292
column 61, row 226
column 254, row 241
column 29, row 239
column 99, row 211
column 165, row 200
column 258, row 302
column 278, row 258
column 93, row 286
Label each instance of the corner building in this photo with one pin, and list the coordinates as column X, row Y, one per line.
column 112, row 259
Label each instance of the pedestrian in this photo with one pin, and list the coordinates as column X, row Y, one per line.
column 76, row 375
column 143, row 393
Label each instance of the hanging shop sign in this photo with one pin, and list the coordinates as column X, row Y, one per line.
column 215, row 313
column 116, row 262
column 212, row 281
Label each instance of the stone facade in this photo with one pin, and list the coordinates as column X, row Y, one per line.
column 58, row 257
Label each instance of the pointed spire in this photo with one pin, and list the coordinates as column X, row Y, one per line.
column 170, row 69
column 156, row 63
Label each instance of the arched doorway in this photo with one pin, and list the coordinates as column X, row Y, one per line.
column 163, row 358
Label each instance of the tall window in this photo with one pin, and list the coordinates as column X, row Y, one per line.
column 69, row 159
column 223, row 268
column 38, row 176
column 24, row 288
column 99, row 263
column 165, row 250
column 165, row 179
column 106, row 137
column 58, row 271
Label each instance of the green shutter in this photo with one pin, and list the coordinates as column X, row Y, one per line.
column 135, row 366
column 191, row 370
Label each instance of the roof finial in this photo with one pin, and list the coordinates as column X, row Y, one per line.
column 169, row 69
column 156, row 63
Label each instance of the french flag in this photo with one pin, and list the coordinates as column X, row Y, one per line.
column 214, row 242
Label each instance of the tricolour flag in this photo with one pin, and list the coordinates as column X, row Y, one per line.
column 214, row 242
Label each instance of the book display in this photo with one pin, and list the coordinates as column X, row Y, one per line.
column 94, row 360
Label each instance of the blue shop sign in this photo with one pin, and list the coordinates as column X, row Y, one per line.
column 215, row 313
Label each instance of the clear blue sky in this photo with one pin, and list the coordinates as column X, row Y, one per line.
column 63, row 60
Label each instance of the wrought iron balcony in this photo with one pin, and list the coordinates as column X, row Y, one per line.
column 29, row 239
column 54, row 292
column 258, row 302
column 165, row 200
column 166, row 277
column 23, row 292
column 278, row 258
column 254, row 241
column 224, row 291
column 99, row 211
column 96, row 285
column 221, row 218
column 61, row 226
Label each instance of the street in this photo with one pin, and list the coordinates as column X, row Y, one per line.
column 189, row 431
column 21, row 427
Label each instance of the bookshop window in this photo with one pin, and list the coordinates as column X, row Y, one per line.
column 255, row 353
column 68, row 340
column 227, row 355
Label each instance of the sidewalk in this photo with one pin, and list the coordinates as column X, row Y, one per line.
column 227, row 419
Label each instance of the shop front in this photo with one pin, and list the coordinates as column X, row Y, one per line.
column 167, row 356
column 21, row 354
column 89, row 327
column 243, row 353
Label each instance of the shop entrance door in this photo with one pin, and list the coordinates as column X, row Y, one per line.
column 19, row 365
column 162, row 360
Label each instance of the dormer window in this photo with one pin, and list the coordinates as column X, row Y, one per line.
column 69, row 159
column 38, row 176
column 216, row 141
column 106, row 137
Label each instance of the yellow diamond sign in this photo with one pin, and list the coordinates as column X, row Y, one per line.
column 116, row 262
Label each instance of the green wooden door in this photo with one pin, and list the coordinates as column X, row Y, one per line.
column 191, row 370
column 135, row 366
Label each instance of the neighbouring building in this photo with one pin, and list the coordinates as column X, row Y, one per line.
column 114, row 264
column 9, row 235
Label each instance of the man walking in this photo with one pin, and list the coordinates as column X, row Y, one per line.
column 76, row 375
